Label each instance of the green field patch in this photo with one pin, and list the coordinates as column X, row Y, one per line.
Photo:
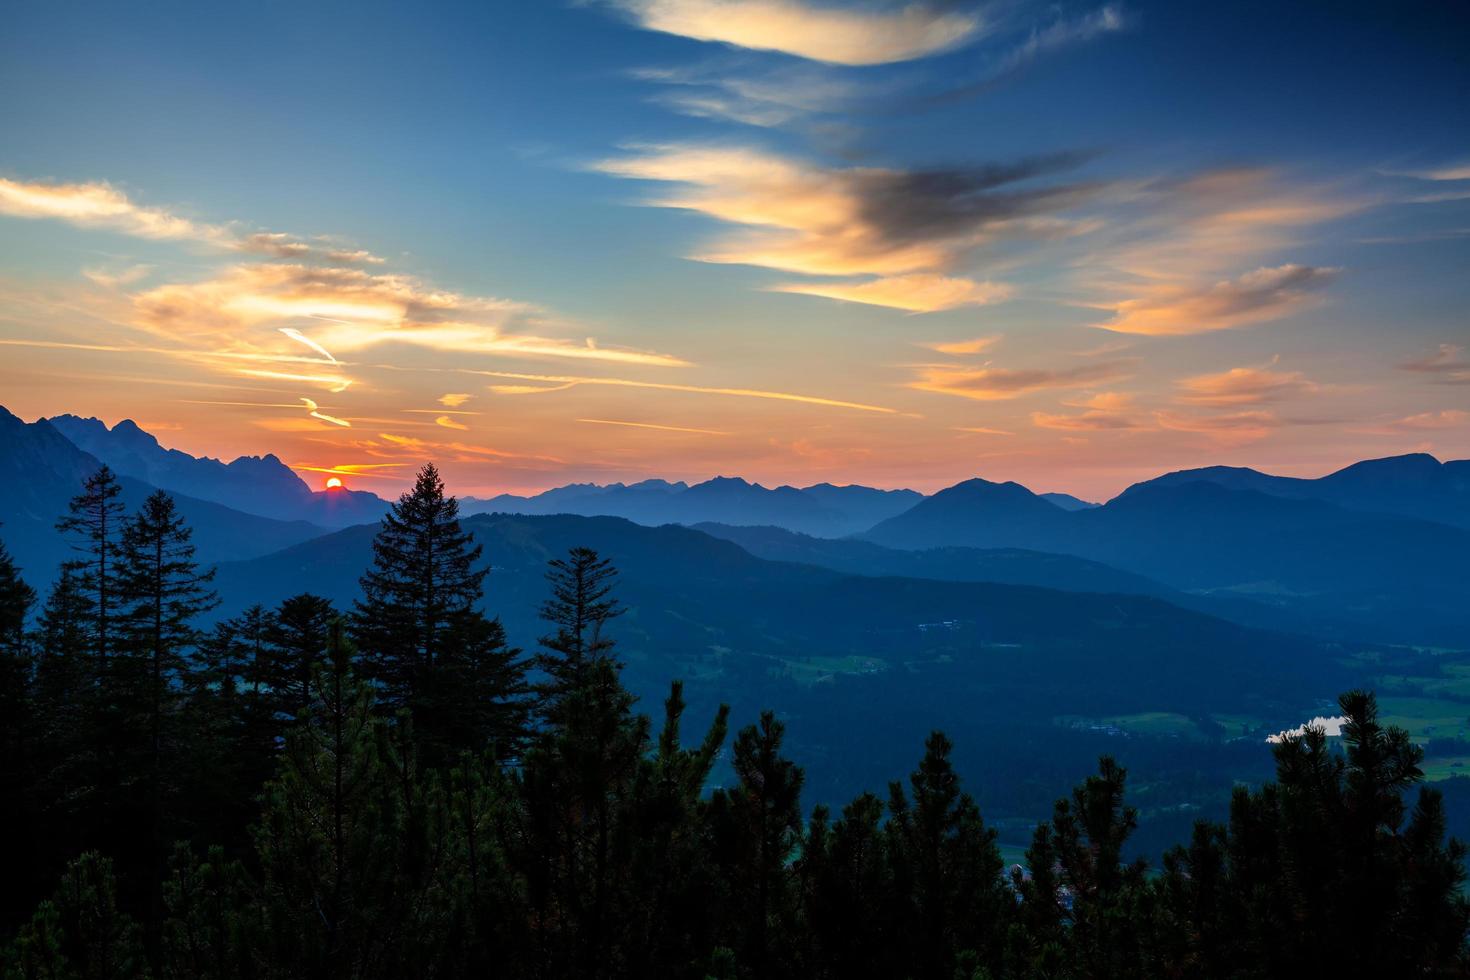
column 1446, row 766
column 810, row 670
column 1425, row 717
column 1238, row 726
column 1155, row 723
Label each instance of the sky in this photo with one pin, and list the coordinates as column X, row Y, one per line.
column 903, row 244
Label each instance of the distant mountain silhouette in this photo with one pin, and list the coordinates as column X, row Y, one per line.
column 1068, row 502
column 1414, row 485
column 823, row 510
column 41, row 470
column 691, row 595
column 1394, row 577
column 1013, row 566
column 261, row 485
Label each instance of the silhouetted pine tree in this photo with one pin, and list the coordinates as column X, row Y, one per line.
column 165, row 592
column 755, row 828
column 95, row 526
column 350, row 842
column 667, row 923
column 950, row 865
column 581, row 604
column 297, row 637
column 427, row 647
column 577, row 784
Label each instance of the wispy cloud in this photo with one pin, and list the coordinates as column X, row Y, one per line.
column 917, row 292
column 1228, row 429
column 314, row 411
column 654, row 425
column 906, row 227
column 1447, row 365
column 996, row 384
column 549, row 383
column 1244, row 386
column 352, row 310
column 98, row 204
column 741, row 93
column 1106, row 411
column 1063, row 32
column 112, row 279
column 1255, row 297
column 454, row 400
column 976, row 345
column 844, row 35
column 1450, row 418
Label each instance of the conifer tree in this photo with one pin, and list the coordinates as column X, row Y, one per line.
column 427, row 647
column 577, row 784
column 756, row 827
column 297, row 638
column 95, row 525
column 165, row 592
column 16, row 600
column 347, row 882
column 950, row 864
column 580, row 606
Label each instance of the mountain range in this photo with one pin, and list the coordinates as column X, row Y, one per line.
column 1371, row 552
column 823, row 510
column 260, row 485
column 41, row 470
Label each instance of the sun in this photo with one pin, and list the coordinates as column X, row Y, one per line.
column 334, row 483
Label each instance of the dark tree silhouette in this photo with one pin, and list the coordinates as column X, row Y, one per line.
column 95, row 526
column 427, row 647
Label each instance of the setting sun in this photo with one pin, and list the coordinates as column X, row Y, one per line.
column 334, row 483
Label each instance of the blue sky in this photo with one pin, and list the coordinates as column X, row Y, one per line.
column 1072, row 244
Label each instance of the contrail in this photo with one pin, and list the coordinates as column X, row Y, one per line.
column 302, row 338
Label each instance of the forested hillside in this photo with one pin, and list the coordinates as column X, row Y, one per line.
column 385, row 786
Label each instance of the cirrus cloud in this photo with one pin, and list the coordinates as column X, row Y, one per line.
column 906, row 227
column 831, row 33
column 1243, row 386
column 998, row 384
column 1255, row 297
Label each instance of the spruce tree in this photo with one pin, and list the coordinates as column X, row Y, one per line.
column 426, row 645
column 756, row 826
column 580, row 606
column 951, row 866
column 95, row 525
column 297, row 638
column 165, row 592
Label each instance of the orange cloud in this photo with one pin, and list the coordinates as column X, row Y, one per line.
column 905, row 227
column 1447, row 364
column 1227, row 429
column 917, row 292
column 1255, row 297
column 353, row 310
column 977, row 345
column 1423, row 422
column 652, row 425
column 1243, row 386
column 995, row 384
column 847, row 36
column 562, row 383
column 1106, row 411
